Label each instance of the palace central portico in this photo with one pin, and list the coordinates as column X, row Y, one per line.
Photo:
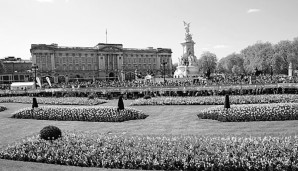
column 104, row 61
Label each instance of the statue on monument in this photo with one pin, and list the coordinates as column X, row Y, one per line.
column 188, row 37
column 186, row 25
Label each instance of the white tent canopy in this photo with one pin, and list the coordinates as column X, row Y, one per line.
column 148, row 77
column 21, row 85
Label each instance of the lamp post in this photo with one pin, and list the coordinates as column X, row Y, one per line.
column 271, row 72
column 186, row 68
column 122, row 73
column 164, row 70
column 34, row 68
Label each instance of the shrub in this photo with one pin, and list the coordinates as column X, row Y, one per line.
column 70, row 94
column 218, row 100
column 34, row 104
column 252, row 112
column 160, row 152
column 50, row 133
column 84, row 113
column 2, row 108
column 92, row 96
column 120, row 104
column 227, row 101
column 147, row 97
column 53, row 100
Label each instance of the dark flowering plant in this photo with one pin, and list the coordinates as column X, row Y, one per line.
column 217, row 100
column 53, row 100
column 80, row 113
column 162, row 152
column 2, row 108
column 252, row 112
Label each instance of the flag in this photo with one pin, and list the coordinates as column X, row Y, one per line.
column 38, row 81
column 49, row 81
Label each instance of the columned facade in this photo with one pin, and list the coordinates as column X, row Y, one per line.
column 104, row 61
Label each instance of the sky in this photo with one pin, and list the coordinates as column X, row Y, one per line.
column 221, row 27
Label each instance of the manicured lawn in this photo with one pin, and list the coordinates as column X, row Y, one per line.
column 176, row 120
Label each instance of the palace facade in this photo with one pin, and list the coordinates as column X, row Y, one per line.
column 15, row 70
column 104, row 61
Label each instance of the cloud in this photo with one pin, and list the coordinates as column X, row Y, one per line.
column 253, row 10
column 220, row 46
column 204, row 49
column 44, row 0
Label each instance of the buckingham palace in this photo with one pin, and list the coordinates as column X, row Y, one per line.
column 103, row 61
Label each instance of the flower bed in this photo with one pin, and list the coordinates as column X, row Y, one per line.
column 2, row 108
column 91, row 114
column 159, row 152
column 252, row 112
column 217, row 100
column 53, row 100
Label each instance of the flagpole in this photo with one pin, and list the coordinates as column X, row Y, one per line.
column 106, row 36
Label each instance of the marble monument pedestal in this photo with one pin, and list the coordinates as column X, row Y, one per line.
column 186, row 71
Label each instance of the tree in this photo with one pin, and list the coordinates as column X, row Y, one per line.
column 174, row 67
column 207, row 63
column 283, row 54
column 295, row 52
column 120, row 104
column 220, row 65
column 2, row 67
column 259, row 55
column 236, row 70
column 226, row 64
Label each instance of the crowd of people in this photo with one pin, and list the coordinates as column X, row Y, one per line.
column 215, row 80
column 201, row 81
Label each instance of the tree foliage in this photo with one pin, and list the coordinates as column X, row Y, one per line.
column 2, row 67
column 283, row 54
column 236, row 70
column 226, row 64
column 265, row 58
column 258, row 56
column 207, row 63
column 174, row 67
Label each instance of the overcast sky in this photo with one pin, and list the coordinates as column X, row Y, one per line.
column 219, row 26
